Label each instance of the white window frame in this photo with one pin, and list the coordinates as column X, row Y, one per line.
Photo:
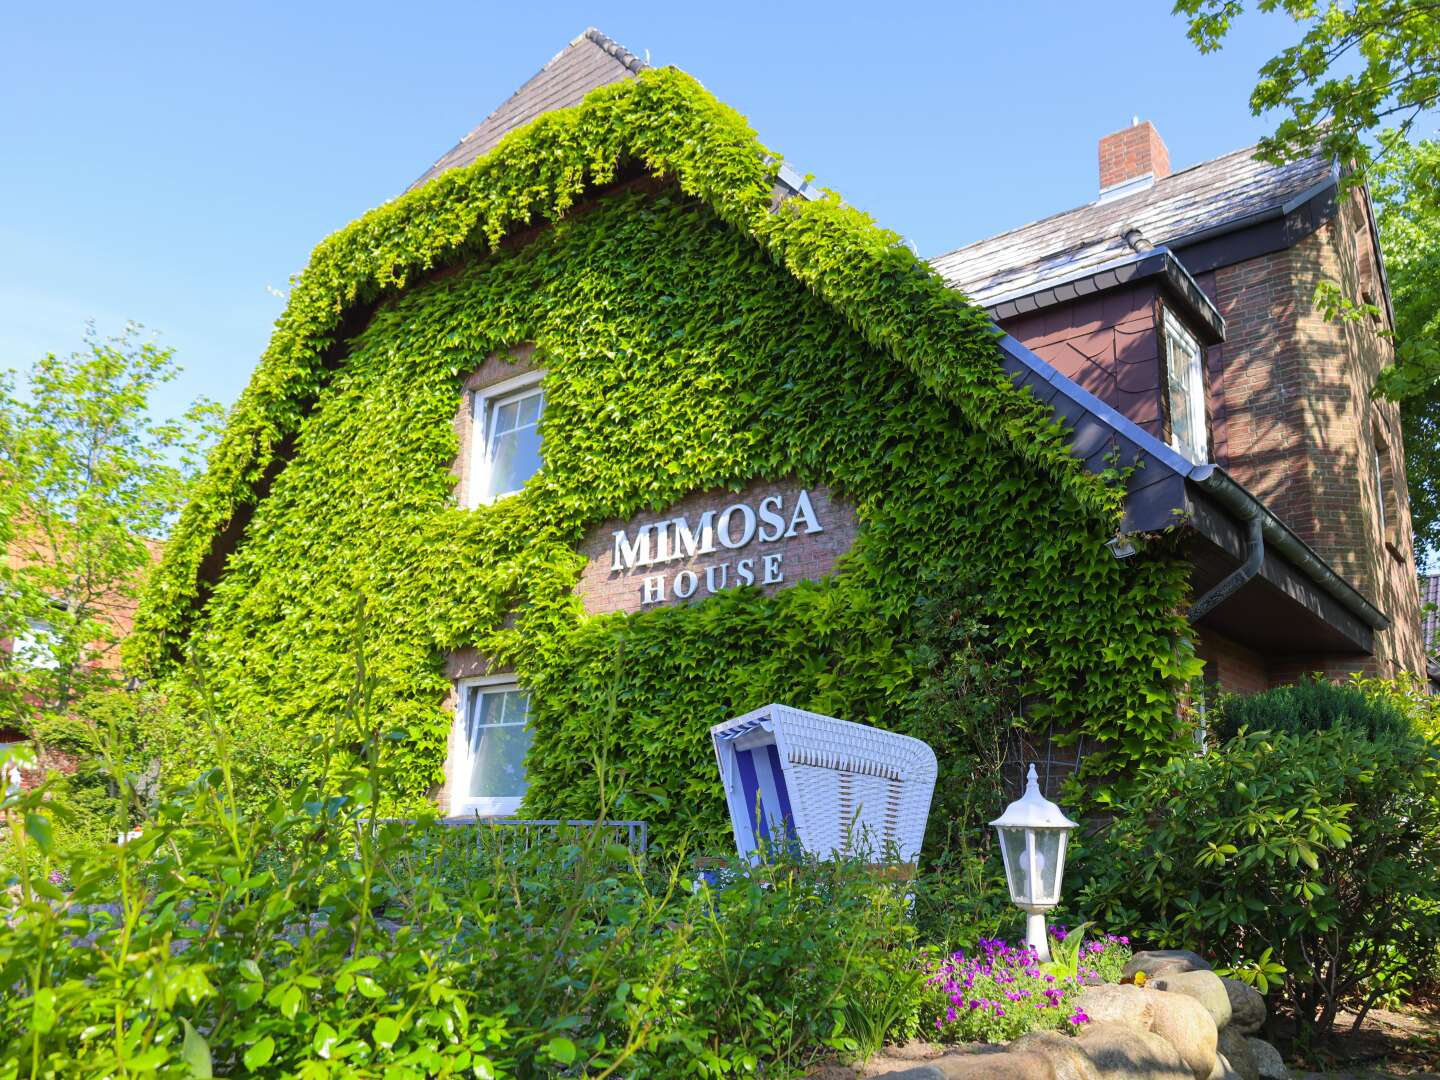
column 483, row 405
column 10, row 769
column 461, row 802
column 1182, row 345
column 34, row 647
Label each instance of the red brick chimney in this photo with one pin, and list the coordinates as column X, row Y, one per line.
column 1131, row 153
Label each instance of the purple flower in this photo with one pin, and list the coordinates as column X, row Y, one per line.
column 1079, row 1017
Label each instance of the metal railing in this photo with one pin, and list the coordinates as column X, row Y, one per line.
column 527, row 832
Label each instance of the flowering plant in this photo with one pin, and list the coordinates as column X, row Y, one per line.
column 1003, row 990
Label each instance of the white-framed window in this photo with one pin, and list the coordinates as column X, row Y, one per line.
column 34, row 647
column 491, row 739
column 506, row 444
column 1185, row 379
column 9, row 768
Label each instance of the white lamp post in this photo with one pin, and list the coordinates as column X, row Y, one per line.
column 1033, row 835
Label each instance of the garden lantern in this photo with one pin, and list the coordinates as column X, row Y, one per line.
column 1033, row 834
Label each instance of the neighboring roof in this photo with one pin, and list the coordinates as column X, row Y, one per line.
column 592, row 60
column 1196, row 200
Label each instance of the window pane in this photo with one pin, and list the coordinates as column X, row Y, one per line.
column 34, row 647
column 530, row 409
column 505, row 417
column 1181, row 429
column 514, row 458
column 497, row 739
column 1186, row 383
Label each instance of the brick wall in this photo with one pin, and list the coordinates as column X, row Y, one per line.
column 1296, row 424
column 1230, row 666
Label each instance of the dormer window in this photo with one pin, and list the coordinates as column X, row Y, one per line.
column 1185, row 382
column 506, row 427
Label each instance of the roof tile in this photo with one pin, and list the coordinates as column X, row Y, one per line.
column 1201, row 197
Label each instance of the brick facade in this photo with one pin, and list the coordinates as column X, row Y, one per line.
column 1296, row 424
column 1291, row 418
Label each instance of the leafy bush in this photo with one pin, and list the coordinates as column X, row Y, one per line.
column 1002, row 991
column 789, row 959
column 312, row 938
column 1312, row 704
column 1300, row 856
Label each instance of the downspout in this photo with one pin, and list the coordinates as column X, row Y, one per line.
column 1216, row 482
column 1254, row 559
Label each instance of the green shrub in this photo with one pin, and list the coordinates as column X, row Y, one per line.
column 1312, row 704
column 308, row 937
column 1304, row 857
column 789, row 959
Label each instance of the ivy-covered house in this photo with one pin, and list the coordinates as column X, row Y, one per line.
column 612, row 427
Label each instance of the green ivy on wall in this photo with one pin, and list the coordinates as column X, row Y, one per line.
column 693, row 337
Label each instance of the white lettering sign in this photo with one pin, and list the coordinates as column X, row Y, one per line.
column 737, row 526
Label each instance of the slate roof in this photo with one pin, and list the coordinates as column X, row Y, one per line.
column 1203, row 197
column 590, row 61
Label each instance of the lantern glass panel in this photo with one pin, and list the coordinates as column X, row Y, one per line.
column 1017, row 863
column 1049, row 851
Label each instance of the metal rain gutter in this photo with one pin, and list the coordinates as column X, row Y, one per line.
column 1216, row 482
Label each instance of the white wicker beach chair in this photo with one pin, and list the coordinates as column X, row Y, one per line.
column 832, row 786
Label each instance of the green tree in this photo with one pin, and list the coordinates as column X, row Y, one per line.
column 89, row 483
column 1359, row 65
column 1405, row 184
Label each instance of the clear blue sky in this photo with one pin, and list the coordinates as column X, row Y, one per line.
column 172, row 164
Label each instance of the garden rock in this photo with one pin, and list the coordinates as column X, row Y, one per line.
column 1247, row 1006
column 1007, row 1066
column 1204, row 986
column 1125, row 1052
column 986, row 1064
column 1236, row 1048
column 1268, row 1062
column 1117, row 1004
column 1186, row 1025
column 1223, row 1069
column 1067, row 1060
column 1164, row 962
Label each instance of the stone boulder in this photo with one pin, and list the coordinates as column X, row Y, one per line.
column 1126, row 1052
column 1067, row 1060
column 1247, row 1006
column 1204, row 986
column 1223, row 1069
column 986, row 1064
column 1164, row 962
column 1117, row 1004
column 1236, row 1048
column 1268, row 1062
column 1186, row 1025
